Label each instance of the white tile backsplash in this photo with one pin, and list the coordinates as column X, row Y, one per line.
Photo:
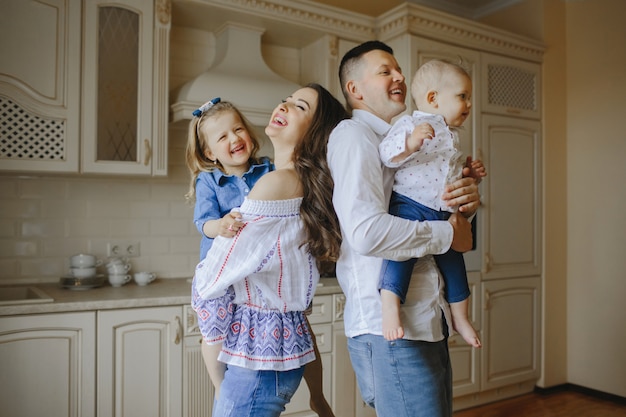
column 45, row 219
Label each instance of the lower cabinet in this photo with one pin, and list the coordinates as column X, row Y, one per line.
column 47, row 365
column 508, row 313
column 139, row 369
column 339, row 382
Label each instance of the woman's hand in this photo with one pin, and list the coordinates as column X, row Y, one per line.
column 464, row 194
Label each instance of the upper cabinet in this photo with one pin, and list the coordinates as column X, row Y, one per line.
column 511, row 87
column 39, row 85
column 104, row 107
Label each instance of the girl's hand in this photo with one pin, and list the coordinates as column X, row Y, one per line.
column 230, row 224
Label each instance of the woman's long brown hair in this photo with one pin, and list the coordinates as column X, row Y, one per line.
column 317, row 212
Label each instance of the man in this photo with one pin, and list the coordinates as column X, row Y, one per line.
column 411, row 376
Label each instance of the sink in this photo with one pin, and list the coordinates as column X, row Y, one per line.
column 23, row 295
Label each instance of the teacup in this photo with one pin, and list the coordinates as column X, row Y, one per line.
column 84, row 260
column 116, row 261
column 83, row 272
column 118, row 269
column 118, row 280
column 144, row 278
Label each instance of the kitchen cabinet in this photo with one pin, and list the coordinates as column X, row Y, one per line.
column 512, row 323
column 339, row 383
column 40, row 85
column 464, row 358
column 104, row 107
column 198, row 391
column 124, row 91
column 48, row 365
column 511, row 193
column 504, row 130
column 139, row 368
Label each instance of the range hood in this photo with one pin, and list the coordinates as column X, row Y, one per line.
column 239, row 75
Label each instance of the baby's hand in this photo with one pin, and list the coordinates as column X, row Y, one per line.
column 420, row 133
column 230, row 224
column 474, row 169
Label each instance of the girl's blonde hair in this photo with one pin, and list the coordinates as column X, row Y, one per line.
column 197, row 145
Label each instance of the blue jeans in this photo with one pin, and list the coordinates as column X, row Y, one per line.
column 403, row 378
column 248, row 393
column 395, row 276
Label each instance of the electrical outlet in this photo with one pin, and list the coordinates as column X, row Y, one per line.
column 123, row 248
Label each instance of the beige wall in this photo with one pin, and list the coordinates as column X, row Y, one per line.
column 596, row 196
column 584, row 79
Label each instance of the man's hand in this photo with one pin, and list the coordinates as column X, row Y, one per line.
column 462, row 239
column 464, row 194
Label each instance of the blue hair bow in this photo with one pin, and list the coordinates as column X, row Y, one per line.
column 206, row 106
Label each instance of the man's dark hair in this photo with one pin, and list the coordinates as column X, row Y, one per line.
column 353, row 55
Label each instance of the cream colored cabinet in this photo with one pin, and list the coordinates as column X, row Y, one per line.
column 47, row 365
column 139, row 366
column 124, row 91
column 198, row 391
column 87, row 90
column 464, row 358
column 510, row 87
column 512, row 323
column 511, row 193
column 40, row 43
column 339, row 383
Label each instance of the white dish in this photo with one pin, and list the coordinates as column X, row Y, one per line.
column 78, row 284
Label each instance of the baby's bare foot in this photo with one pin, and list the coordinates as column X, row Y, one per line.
column 466, row 330
column 392, row 325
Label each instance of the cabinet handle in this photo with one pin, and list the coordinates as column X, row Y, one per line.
column 148, row 152
column 179, row 330
column 340, row 303
column 487, row 263
column 487, row 300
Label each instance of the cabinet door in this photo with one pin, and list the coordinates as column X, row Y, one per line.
column 124, row 64
column 510, row 87
column 511, row 331
column 466, row 359
column 140, row 362
column 198, row 391
column 511, row 194
column 39, row 85
column 47, row 365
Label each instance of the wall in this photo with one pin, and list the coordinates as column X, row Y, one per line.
column 584, row 80
column 47, row 218
column 596, row 201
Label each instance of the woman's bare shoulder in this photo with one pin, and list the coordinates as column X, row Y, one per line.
column 281, row 184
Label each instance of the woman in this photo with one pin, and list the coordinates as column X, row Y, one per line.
column 288, row 226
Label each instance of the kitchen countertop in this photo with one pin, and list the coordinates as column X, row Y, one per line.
column 161, row 292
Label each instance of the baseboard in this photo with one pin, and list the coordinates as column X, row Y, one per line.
column 583, row 390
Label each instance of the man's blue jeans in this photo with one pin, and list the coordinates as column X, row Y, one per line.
column 403, row 378
column 248, row 393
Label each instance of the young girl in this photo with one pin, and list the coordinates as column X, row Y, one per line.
column 289, row 225
column 221, row 157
